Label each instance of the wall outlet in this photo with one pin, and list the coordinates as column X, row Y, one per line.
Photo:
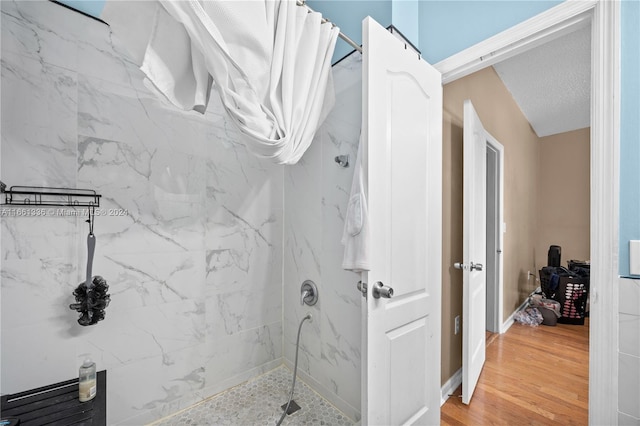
column 456, row 325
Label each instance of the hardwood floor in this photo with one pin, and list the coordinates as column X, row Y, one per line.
column 532, row 376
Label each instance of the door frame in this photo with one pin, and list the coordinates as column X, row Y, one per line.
column 604, row 17
column 495, row 287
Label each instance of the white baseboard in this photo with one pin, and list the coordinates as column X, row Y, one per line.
column 509, row 322
column 450, row 386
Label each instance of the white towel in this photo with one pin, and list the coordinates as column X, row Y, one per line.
column 355, row 236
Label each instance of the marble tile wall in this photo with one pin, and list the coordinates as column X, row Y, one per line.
column 189, row 235
column 629, row 352
column 316, row 194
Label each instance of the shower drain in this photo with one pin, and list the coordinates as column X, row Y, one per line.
column 293, row 407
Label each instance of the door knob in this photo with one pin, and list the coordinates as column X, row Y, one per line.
column 381, row 290
column 472, row 266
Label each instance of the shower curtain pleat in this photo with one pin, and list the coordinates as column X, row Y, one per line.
column 270, row 62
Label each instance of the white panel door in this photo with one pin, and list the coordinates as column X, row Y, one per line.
column 402, row 129
column 474, row 282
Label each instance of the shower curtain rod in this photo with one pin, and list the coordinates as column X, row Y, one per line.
column 325, row 20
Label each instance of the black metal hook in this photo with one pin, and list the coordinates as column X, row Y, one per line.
column 92, row 218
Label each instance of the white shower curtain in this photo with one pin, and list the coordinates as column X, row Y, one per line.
column 270, row 62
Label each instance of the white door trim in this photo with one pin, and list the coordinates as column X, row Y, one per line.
column 540, row 29
column 604, row 17
column 605, row 193
column 499, row 149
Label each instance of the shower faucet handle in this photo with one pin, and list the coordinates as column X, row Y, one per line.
column 308, row 293
column 303, row 296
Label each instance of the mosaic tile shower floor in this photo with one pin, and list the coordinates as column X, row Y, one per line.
column 257, row 402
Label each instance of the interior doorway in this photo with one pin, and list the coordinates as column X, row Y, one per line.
column 603, row 187
column 495, row 167
column 517, row 142
column 495, row 322
column 605, row 141
column 557, row 111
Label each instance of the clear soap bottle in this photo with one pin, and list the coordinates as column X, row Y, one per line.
column 87, row 381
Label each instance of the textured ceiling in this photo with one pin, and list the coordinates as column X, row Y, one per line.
column 552, row 83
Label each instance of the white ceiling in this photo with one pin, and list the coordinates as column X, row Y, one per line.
column 552, row 83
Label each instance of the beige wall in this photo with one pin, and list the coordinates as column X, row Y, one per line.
column 564, row 196
column 502, row 118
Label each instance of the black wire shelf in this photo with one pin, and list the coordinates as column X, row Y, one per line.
column 23, row 196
